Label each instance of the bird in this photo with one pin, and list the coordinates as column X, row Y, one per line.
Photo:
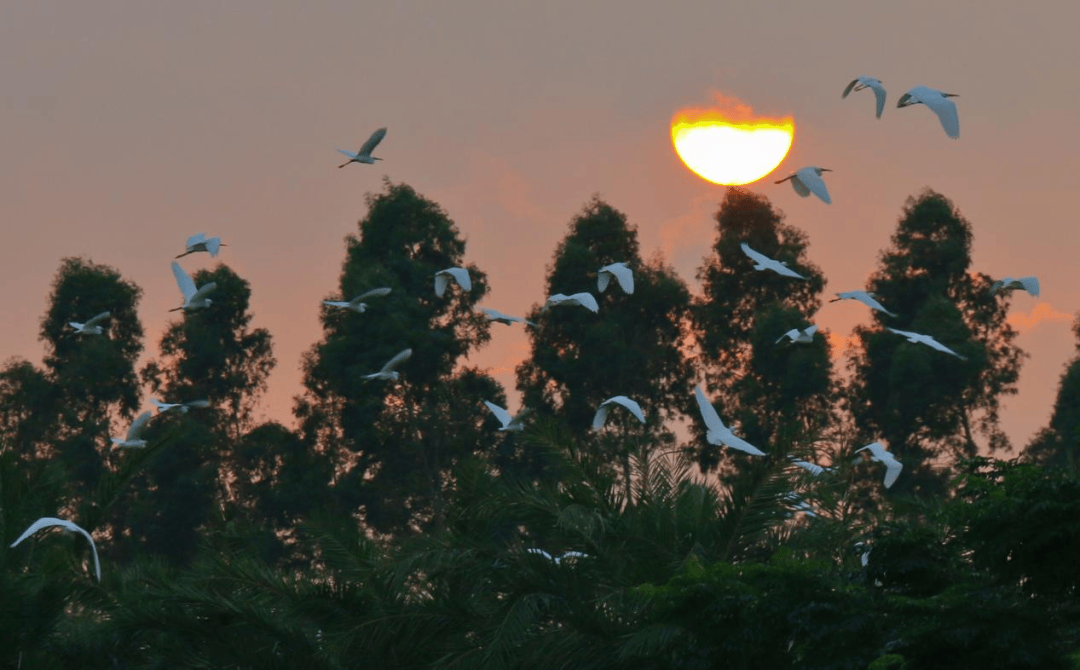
column 808, row 180
column 600, row 418
column 556, row 559
column 388, row 371
column 859, row 83
column 812, row 468
column 880, row 455
column 797, row 504
column 47, row 521
column 364, row 155
column 762, row 262
column 864, row 297
column 585, row 300
column 91, row 327
column 1029, row 284
column 496, row 315
column 621, row 272
column 460, row 275
column 939, row 103
column 356, row 303
column 508, row 422
column 199, row 242
column 193, row 298
column 804, row 337
column 718, row 433
column 135, row 430
column 181, row 407
column 927, row 340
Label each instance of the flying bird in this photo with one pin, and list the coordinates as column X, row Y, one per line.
column 181, row 407
column 927, row 340
column 556, row 559
column 718, row 433
column 808, row 180
column 762, row 262
column 357, row 304
column 859, row 83
column 135, row 431
column 388, row 371
column 496, row 315
column 193, row 298
column 364, row 155
column 812, row 468
column 879, row 455
column 864, row 297
column 508, row 422
column 797, row 504
column 1029, row 284
column 47, row 521
column 91, row 327
column 585, row 300
column 939, row 103
column 621, row 272
column 199, row 242
column 804, row 337
column 600, row 418
column 460, row 275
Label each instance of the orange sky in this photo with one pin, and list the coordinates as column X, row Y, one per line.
column 128, row 126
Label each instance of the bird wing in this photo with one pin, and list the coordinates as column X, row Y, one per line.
column 758, row 258
column 810, row 331
column 350, row 154
column 812, row 468
column 203, row 290
column 337, row 303
column 998, row 285
column 372, row 142
column 197, row 238
column 501, row 414
column 623, row 274
column 892, row 471
column 587, row 301
column 1030, row 284
column 791, row 333
column 402, row 355
column 373, row 293
column 440, row 282
column 603, row 279
column 162, row 406
column 601, row 415
column 212, row 246
column 47, row 521
column 782, row 269
column 813, row 181
column 869, row 301
column 138, row 425
column 201, row 404
column 799, row 187
column 461, row 276
column 912, row 337
column 104, row 315
column 850, row 86
column 939, row 346
column 541, row 552
column 629, row 404
column 708, row 412
column 946, row 113
column 879, row 93
column 187, row 286
column 731, row 440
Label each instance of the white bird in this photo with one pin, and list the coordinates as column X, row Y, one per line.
column 621, row 272
column 388, row 371
column 92, row 326
column 364, row 155
column 508, row 422
column 193, row 298
column 556, row 559
column 181, row 407
column 199, row 242
column 927, row 340
column 879, row 455
column 808, row 180
column 804, row 337
column 1029, row 284
column 585, row 300
column 460, row 275
column 859, row 83
column 718, row 433
column 357, row 304
column 864, row 297
column 496, row 315
column 600, row 418
column 134, row 434
column 798, row 504
column 812, row 468
column 47, row 521
column 939, row 103
column 762, row 262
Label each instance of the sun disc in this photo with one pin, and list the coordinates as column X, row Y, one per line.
column 730, row 153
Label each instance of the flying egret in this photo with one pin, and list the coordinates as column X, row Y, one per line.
column 1029, row 284
column 508, row 422
column 797, row 504
column 134, row 434
column 859, row 83
column 460, row 275
column 601, row 413
column 364, row 155
column 762, row 262
column 496, row 315
column 864, row 297
column 357, row 304
column 804, row 337
column 47, row 521
column 181, row 407
column 585, row 300
column 199, row 242
column 812, row 468
column 880, row 455
column 808, row 180
column 621, row 272
column 193, row 298
column 91, row 327
column 927, row 340
column 718, row 433
column 556, row 559
column 388, row 371
column 939, row 103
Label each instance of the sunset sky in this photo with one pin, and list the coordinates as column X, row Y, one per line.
column 128, row 126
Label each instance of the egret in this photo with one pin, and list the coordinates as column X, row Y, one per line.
column 364, row 155
column 804, row 337
column 762, row 262
column 508, row 422
column 927, row 340
column 880, row 455
column 91, row 327
column 808, row 180
column 812, row 468
column 496, row 315
column 718, row 433
column 864, row 297
column 47, row 521
column 388, row 371
column 621, row 272
column 1029, row 284
column 556, row 559
column 585, row 300
column 460, row 275
column 199, row 242
column 601, row 413
column 193, row 298
column 939, row 103
column 797, row 504
column 134, row 434
column 859, row 83
column 357, row 304
column 181, row 407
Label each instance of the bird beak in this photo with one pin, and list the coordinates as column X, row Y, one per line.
column 826, row 170
column 952, row 95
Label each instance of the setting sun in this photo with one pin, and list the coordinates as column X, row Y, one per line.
column 730, row 148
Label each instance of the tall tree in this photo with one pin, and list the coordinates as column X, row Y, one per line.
column 1056, row 445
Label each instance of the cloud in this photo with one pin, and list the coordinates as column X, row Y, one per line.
column 1040, row 312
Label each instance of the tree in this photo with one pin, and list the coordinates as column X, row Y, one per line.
column 1056, row 444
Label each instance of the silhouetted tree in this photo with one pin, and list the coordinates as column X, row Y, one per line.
column 1056, row 444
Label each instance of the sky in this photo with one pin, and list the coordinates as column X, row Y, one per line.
column 128, row 126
